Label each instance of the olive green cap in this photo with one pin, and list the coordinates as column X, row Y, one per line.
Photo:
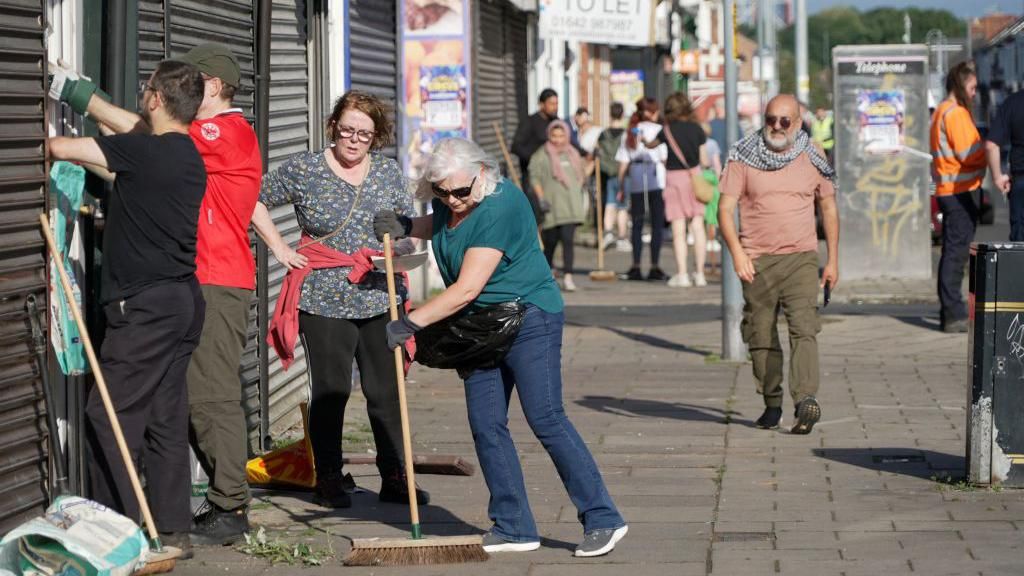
column 216, row 60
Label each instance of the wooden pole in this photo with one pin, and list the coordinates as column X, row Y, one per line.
column 101, row 384
column 508, row 157
column 599, row 200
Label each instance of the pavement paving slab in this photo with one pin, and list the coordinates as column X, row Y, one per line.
column 875, row 489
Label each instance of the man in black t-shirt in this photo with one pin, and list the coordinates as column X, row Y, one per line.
column 150, row 296
column 1008, row 130
column 531, row 134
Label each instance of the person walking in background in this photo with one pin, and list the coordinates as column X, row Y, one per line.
column 642, row 176
column 557, row 174
column 714, row 155
column 487, row 254
column 776, row 175
column 585, row 132
column 822, row 130
column 958, row 167
column 615, row 207
column 1008, row 131
column 686, row 137
column 531, row 134
column 341, row 308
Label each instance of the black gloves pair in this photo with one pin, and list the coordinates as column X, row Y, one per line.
column 389, row 222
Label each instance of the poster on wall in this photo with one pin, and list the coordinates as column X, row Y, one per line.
column 880, row 114
column 436, row 93
column 627, row 86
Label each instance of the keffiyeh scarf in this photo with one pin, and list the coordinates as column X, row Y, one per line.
column 752, row 151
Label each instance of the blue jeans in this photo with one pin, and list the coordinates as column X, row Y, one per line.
column 1017, row 209
column 534, row 368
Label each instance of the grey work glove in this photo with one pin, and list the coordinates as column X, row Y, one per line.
column 399, row 331
column 390, row 222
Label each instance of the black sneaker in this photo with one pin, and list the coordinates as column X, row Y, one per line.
column 330, row 491
column 769, row 419
column 494, row 543
column 215, row 526
column 179, row 540
column 807, row 415
column 600, row 542
column 633, row 274
column 395, row 488
column 657, row 275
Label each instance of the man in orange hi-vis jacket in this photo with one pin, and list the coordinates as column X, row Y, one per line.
column 958, row 167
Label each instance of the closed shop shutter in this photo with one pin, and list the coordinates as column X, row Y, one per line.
column 289, row 134
column 500, row 74
column 373, row 51
column 23, row 453
column 152, row 48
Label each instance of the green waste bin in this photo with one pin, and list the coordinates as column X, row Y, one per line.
column 995, row 397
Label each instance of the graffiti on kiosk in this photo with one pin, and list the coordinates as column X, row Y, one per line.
column 883, row 195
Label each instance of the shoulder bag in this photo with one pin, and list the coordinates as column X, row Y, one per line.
column 702, row 189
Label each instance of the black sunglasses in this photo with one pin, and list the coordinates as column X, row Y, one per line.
column 460, row 193
column 783, row 121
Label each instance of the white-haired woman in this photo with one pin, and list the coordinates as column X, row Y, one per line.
column 485, row 243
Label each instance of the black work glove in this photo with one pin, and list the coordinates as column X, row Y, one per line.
column 389, row 222
column 399, row 331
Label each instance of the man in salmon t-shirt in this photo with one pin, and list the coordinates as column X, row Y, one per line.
column 226, row 272
column 776, row 175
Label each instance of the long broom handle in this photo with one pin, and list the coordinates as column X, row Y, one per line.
column 599, row 200
column 410, row 474
column 508, row 157
column 101, row 385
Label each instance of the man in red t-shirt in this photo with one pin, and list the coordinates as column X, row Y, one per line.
column 226, row 272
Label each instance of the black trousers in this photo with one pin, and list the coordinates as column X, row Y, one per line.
column 959, row 220
column 145, row 356
column 331, row 344
column 564, row 234
column 637, row 210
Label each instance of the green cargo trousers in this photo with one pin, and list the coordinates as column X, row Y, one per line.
column 788, row 282
column 217, row 430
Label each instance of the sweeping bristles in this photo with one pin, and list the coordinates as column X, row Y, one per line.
column 407, row 552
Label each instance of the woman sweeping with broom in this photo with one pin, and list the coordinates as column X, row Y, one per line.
column 485, row 244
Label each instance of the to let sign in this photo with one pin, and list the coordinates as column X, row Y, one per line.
column 622, row 22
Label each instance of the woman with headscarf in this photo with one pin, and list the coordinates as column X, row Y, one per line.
column 557, row 174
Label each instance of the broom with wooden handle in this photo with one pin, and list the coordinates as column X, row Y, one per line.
column 416, row 550
column 161, row 558
column 600, row 274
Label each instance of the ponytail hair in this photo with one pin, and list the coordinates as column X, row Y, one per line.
column 642, row 105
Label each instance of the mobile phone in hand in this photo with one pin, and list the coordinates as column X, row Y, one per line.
column 828, row 293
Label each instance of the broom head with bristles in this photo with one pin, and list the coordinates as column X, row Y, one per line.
column 603, row 275
column 416, row 552
column 160, row 562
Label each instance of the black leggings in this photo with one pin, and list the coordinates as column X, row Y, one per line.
column 331, row 344
column 551, row 237
column 637, row 210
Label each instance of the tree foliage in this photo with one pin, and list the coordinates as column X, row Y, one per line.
column 844, row 25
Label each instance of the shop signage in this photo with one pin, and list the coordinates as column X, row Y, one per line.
column 620, row 22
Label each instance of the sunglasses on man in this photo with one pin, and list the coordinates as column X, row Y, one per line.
column 784, row 121
column 460, row 193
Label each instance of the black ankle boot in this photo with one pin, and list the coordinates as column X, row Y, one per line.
column 218, row 527
column 331, row 490
column 394, row 487
column 769, row 420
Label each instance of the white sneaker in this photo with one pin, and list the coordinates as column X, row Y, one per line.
column 567, row 284
column 680, row 281
column 609, row 240
column 689, row 239
column 494, row 543
column 646, row 237
column 599, row 542
column 623, row 246
column 714, row 246
column 699, row 280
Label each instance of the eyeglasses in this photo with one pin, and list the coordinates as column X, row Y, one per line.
column 460, row 193
column 144, row 85
column 364, row 136
column 783, row 121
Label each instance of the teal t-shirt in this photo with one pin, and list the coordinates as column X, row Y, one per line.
column 503, row 221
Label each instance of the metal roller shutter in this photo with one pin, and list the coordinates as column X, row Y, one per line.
column 373, row 51
column 23, row 451
column 229, row 22
column 152, row 31
column 289, row 134
column 500, row 74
